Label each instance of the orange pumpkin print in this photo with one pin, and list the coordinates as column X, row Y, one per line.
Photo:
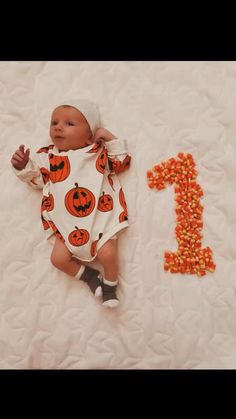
column 109, row 177
column 78, row 237
column 48, row 224
column 56, row 231
column 122, row 200
column 47, row 203
column 105, row 203
column 95, row 147
column 117, row 166
column 94, row 245
column 124, row 215
column 79, row 201
column 45, row 174
column 59, row 168
column 45, row 223
column 45, row 149
column 101, row 161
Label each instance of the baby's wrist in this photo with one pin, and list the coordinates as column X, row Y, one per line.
column 110, row 137
column 18, row 168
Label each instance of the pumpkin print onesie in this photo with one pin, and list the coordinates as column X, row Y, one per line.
column 83, row 202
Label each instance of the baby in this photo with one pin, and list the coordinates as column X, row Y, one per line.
column 83, row 204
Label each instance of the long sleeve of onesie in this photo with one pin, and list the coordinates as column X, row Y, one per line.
column 30, row 174
column 118, row 157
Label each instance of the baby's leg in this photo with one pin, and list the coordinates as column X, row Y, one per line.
column 62, row 259
column 107, row 256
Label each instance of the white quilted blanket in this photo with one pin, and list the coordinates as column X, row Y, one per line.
column 165, row 320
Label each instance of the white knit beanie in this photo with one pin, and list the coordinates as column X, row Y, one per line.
column 90, row 111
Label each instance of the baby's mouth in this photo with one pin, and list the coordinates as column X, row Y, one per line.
column 59, row 137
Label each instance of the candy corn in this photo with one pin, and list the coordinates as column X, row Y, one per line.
column 190, row 257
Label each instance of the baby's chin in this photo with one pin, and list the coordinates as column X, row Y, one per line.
column 63, row 146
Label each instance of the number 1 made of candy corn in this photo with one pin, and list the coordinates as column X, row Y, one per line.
column 191, row 257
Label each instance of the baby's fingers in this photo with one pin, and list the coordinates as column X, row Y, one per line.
column 16, row 163
column 19, row 154
column 22, row 148
column 18, row 157
column 27, row 153
column 22, row 153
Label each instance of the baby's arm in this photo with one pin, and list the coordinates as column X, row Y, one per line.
column 118, row 157
column 26, row 169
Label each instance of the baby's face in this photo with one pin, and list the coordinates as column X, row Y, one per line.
column 69, row 129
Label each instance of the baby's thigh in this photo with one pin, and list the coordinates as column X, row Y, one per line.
column 60, row 252
column 108, row 251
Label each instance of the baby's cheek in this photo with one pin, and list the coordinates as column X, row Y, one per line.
column 90, row 140
column 50, row 133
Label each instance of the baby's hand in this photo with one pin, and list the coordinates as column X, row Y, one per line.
column 20, row 158
column 103, row 134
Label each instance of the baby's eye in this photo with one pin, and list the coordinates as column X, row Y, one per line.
column 53, row 122
column 70, row 123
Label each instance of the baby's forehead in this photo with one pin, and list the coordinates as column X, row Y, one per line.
column 66, row 111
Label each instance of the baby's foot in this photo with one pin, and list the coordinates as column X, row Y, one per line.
column 109, row 296
column 92, row 278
